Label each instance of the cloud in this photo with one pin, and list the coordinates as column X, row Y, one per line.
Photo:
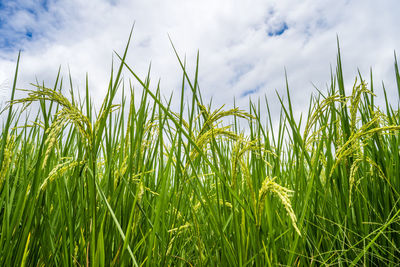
column 243, row 45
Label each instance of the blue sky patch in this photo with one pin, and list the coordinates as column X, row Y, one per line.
column 239, row 72
column 29, row 34
column 251, row 91
column 279, row 30
column 15, row 32
column 45, row 5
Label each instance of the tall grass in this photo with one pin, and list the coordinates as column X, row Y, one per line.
column 155, row 185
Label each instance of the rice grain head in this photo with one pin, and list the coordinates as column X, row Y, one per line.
column 269, row 185
column 58, row 171
column 7, row 158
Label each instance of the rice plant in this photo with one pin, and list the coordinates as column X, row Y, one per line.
column 151, row 184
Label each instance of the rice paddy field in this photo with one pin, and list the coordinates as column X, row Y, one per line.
column 150, row 184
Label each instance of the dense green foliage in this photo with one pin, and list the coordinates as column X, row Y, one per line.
column 145, row 185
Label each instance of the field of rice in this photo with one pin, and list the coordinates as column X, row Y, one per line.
column 149, row 184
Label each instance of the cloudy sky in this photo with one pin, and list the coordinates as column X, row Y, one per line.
column 244, row 46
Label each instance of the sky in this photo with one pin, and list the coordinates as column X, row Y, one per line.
column 245, row 47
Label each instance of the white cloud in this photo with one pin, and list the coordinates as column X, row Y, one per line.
column 236, row 53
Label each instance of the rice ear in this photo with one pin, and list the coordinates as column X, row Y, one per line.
column 270, row 186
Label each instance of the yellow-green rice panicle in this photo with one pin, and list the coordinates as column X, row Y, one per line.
column 354, row 143
column 69, row 111
column 247, row 177
column 319, row 109
column 58, row 171
column 355, row 99
column 7, row 158
column 269, row 185
column 241, row 146
column 202, row 140
column 103, row 115
column 352, row 179
column 374, row 166
column 218, row 114
column 359, row 138
column 52, row 135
